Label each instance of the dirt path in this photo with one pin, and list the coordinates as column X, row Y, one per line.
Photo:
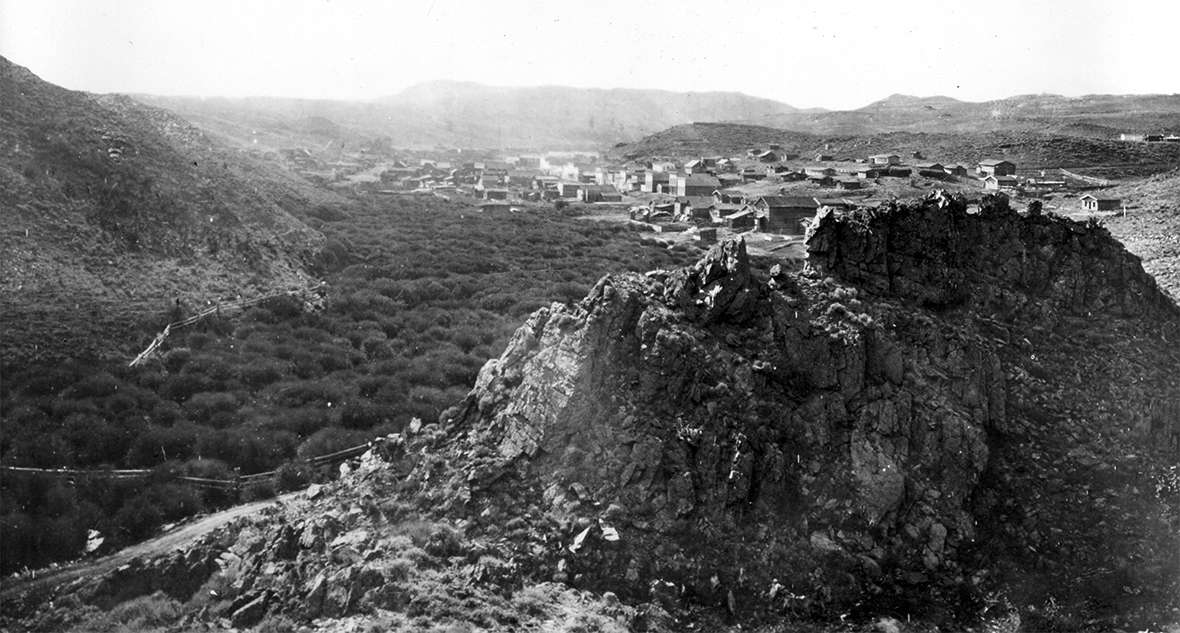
column 176, row 537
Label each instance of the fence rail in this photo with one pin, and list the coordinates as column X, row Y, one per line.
column 320, row 461
column 220, row 308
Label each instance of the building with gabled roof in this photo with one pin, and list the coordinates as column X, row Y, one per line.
column 884, row 159
column 785, row 214
column 694, row 185
column 1091, row 202
column 997, row 167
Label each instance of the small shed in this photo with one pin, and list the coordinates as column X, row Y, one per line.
column 1094, row 203
column 996, row 167
column 884, row 159
column 741, row 220
column 996, row 183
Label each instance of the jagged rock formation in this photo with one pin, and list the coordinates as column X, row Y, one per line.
column 943, row 406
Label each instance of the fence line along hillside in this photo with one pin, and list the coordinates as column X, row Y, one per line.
column 319, row 462
column 308, row 294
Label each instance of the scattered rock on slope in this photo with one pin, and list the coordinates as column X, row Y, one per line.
column 944, row 406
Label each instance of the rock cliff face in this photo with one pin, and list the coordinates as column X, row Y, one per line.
column 945, row 411
column 846, row 433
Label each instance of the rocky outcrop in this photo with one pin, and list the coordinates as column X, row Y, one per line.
column 993, row 262
column 828, row 432
column 945, row 405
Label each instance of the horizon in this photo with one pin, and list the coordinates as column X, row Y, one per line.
column 428, row 82
column 361, row 51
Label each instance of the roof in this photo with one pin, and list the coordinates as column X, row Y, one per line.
column 702, row 180
column 836, row 202
column 1096, row 198
column 699, row 202
column 790, row 201
column 883, row 156
column 991, row 162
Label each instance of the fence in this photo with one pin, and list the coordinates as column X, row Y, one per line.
column 319, row 462
column 217, row 310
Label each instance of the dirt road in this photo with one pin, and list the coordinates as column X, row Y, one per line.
column 180, row 535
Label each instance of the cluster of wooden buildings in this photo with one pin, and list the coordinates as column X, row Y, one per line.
column 735, row 210
column 694, row 188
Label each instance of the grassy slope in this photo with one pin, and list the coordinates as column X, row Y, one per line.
column 112, row 209
column 1096, row 116
column 1151, row 228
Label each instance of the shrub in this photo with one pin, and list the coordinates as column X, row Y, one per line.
column 260, row 374
column 202, row 406
column 93, row 386
column 175, row 359
column 258, row 490
column 146, row 612
column 363, row 414
column 330, row 440
column 293, row 476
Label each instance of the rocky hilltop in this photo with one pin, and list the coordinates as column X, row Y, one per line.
column 947, row 415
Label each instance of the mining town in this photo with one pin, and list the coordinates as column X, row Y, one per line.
column 657, row 317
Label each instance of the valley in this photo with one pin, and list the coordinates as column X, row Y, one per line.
column 622, row 359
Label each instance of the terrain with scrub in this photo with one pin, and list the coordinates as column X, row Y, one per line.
column 946, row 420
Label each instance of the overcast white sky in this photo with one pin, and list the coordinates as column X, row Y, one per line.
column 833, row 54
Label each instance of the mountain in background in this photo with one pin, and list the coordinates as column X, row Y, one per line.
column 464, row 114
column 1101, row 116
column 113, row 211
column 460, row 114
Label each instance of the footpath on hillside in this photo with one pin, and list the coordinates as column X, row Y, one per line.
column 170, row 540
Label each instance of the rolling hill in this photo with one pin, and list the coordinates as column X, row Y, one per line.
column 113, row 211
column 1101, row 116
column 1102, row 157
column 1151, row 228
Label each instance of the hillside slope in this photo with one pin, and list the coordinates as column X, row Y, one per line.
column 1151, row 228
column 1030, row 151
column 456, row 114
column 113, row 211
column 956, row 417
column 1098, row 116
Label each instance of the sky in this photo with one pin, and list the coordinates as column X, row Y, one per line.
column 832, row 54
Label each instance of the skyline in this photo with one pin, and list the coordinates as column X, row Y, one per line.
column 833, row 57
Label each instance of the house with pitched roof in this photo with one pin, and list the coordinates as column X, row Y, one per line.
column 996, row 167
column 1094, row 203
column 784, row 214
column 694, row 185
